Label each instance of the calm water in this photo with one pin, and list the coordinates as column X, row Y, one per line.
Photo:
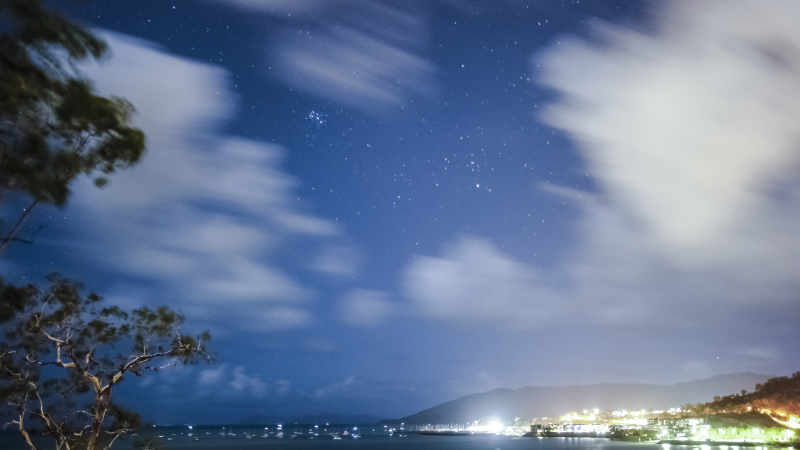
column 368, row 440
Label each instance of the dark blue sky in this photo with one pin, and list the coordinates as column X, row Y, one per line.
column 378, row 206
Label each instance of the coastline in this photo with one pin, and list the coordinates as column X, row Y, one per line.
column 726, row 443
column 640, row 440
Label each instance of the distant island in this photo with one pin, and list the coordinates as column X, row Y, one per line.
column 768, row 415
column 505, row 405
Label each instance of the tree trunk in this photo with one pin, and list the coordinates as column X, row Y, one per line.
column 100, row 407
column 26, row 435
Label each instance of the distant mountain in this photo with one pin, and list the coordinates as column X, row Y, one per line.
column 314, row 419
column 528, row 402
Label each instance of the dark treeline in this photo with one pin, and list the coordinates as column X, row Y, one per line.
column 778, row 397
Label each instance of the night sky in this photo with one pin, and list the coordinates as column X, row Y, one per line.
column 378, row 206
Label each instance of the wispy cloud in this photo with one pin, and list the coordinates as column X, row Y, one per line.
column 352, row 67
column 336, row 389
column 475, row 282
column 488, row 381
column 242, row 383
column 692, row 135
column 365, row 307
column 761, row 352
column 368, row 54
column 204, row 213
column 338, row 260
column 690, row 129
column 285, row 7
column 221, row 379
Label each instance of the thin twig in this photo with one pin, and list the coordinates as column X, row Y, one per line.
column 10, row 236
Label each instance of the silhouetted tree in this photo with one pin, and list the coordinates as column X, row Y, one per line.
column 63, row 356
column 53, row 127
column 63, row 352
column 779, row 397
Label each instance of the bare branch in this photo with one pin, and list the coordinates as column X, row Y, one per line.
column 116, row 435
column 10, row 236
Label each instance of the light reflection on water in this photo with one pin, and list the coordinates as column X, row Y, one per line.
column 180, row 440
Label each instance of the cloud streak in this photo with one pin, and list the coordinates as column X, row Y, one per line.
column 367, row 54
column 366, row 308
column 204, row 214
column 686, row 137
column 353, row 67
column 693, row 138
column 475, row 282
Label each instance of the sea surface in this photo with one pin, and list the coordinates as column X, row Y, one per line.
column 178, row 438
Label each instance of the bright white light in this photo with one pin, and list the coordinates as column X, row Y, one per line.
column 494, row 427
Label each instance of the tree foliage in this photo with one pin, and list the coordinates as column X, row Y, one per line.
column 772, row 435
column 62, row 358
column 53, row 127
column 64, row 351
column 779, row 397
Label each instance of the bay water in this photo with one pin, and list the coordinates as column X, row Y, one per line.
column 178, row 438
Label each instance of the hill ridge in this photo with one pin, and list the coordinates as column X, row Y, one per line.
column 550, row 401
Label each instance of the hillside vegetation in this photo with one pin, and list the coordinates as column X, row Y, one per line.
column 778, row 397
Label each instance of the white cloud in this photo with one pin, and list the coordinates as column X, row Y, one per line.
column 281, row 7
column 203, row 213
column 692, row 134
column 365, row 307
column 304, row 224
column 336, row 389
column 338, row 260
column 188, row 95
column 221, row 379
column 693, row 138
column 277, row 319
column 361, row 53
column 761, row 352
column 475, row 282
column 212, row 376
column 242, row 383
column 352, row 67
column 687, row 130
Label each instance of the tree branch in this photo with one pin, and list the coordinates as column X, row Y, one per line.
column 10, row 236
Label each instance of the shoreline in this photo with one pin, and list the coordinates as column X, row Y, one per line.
column 639, row 440
column 727, row 443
